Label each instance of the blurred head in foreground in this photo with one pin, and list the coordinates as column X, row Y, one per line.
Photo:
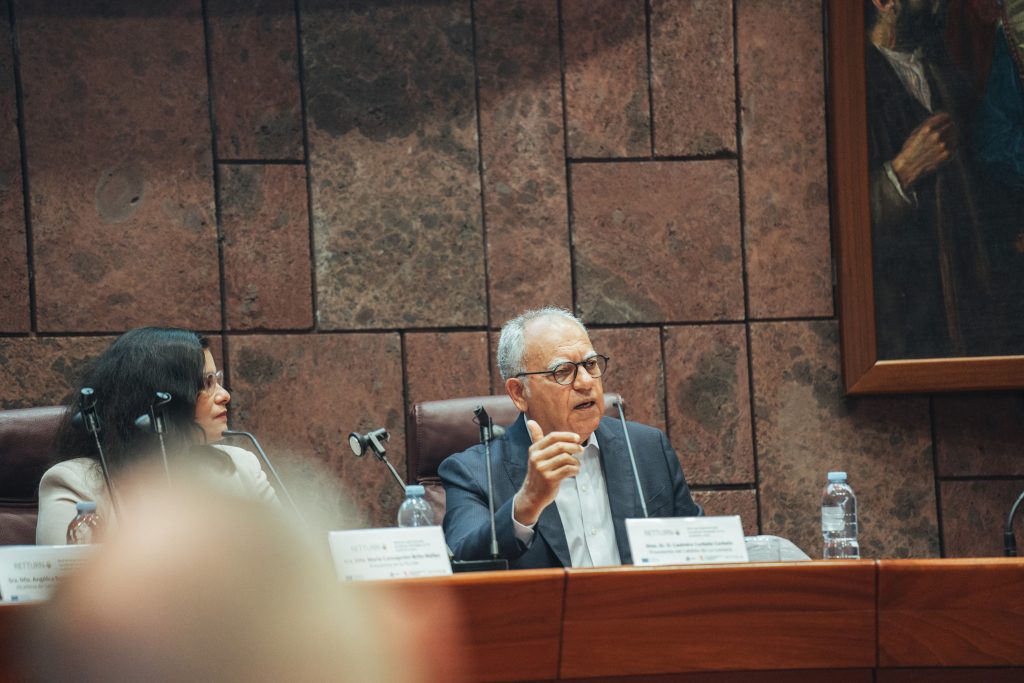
column 196, row 586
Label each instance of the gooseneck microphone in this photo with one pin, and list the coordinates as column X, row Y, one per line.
column 278, row 482
column 154, row 421
column 89, row 419
column 486, row 434
column 374, row 441
column 1009, row 541
column 632, row 458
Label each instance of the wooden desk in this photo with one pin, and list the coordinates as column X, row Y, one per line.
column 810, row 615
column 937, row 620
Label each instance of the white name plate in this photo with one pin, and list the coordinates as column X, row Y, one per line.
column 30, row 572
column 399, row 553
column 686, row 540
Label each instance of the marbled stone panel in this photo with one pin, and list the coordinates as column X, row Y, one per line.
column 442, row 365
column 657, row 242
column 497, row 383
column 742, row 503
column 805, row 428
column 709, row 402
column 303, row 394
column 606, row 93
column 118, row 138
column 267, row 267
column 974, row 516
column 979, row 434
column 14, row 299
column 254, row 66
column 692, row 77
column 43, row 371
column 635, row 371
column 394, row 163
column 785, row 171
column 523, row 150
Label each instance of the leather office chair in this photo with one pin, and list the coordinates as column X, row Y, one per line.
column 26, row 435
column 437, row 429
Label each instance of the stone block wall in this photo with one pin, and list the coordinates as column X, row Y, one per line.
column 351, row 197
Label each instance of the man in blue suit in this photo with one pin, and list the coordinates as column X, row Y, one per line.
column 563, row 481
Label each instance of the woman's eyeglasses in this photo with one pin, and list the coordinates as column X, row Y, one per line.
column 212, row 380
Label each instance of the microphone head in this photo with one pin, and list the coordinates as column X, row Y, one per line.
column 497, row 431
column 86, row 398
column 144, row 422
column 358, row 444
column 162, row 399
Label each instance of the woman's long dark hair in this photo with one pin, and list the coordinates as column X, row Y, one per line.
column 125, row 379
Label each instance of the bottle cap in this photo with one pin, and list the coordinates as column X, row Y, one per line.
column 85, row 506
column 415, row 490
column 837, row 476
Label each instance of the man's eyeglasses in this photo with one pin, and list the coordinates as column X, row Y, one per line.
column 565, row 373
column 211, row 381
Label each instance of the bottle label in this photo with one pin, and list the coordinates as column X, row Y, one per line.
column 832, row 518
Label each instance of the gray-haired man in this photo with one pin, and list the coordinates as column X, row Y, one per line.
column 559, row 451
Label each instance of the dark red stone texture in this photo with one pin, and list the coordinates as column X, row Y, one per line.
column 255, row 77
column 606, row 100
column 805, row 428
column 523, row 150
column 635, row 371
column 979, row 434
column 395, row 169
column 709, row 402
column 14, row 299
column 38, row 371
column 692, row 77
column 118, row 137
column 267, row 268
column 785, row 171
column 442, row 365
column 742, row 503
column 974, row 516
column 657, row 242
column 303, row 394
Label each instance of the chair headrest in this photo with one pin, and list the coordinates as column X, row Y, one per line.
column 26, row 438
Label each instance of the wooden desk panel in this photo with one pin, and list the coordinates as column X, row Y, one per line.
column 511, row 622
column 811, row 615
column 951, row 612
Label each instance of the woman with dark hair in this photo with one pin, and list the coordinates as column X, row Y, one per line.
column 125, row 379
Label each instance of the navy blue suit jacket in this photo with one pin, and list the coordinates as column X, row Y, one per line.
column 467, row 525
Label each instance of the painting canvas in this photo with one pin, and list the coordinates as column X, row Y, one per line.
column 927, row 142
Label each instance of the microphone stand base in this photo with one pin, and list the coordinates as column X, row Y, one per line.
column 462, row 566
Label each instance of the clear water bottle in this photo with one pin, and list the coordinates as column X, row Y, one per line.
column 839, row 519
column 85, row 527
column 415, row 510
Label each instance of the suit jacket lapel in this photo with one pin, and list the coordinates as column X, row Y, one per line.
column 549, row 525
column 618, row 476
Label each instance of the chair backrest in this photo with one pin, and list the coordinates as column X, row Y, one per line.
column 26, row 437
column 437, row 429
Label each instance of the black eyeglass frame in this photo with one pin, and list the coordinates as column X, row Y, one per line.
column 575, row 370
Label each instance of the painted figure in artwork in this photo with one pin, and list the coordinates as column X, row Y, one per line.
column 947, row 283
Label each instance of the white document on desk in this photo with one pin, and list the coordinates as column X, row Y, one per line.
column 686, row 540
column 397, row 553
column 30, row 572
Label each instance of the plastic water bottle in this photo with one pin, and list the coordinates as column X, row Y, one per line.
column 415, row 510
column 85, row 527
column 839, row 519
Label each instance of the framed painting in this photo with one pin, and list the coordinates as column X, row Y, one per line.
column 926, row 143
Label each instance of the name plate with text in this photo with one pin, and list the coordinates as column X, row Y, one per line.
column 30, row 572
column 686, row 540
column 399, row 553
